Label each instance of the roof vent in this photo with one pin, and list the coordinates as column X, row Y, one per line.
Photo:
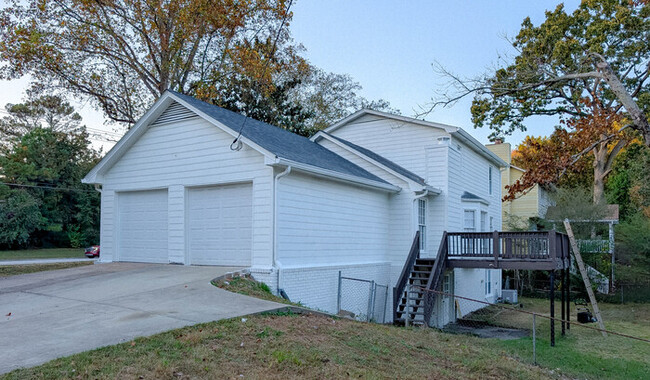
column 175, row 112
column 444, row 140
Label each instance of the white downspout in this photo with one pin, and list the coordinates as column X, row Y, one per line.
column 98, row 188
column 276, row 263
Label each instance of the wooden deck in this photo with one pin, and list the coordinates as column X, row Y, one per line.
column 530, row 250
column 507, row 250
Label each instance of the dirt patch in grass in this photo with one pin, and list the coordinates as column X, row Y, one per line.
column 12, row 270
column 282, row 346
column 244, row 284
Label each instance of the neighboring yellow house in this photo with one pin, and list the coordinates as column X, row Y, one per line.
column 533, row 204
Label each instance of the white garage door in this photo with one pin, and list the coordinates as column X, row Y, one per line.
column 143, row 226
column 219, row 225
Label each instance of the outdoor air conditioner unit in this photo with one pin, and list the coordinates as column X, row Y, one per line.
column 509, row 296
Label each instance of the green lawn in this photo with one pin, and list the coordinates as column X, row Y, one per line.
column 12, row 270
column 48, row 253
column 286, row 345
column 290, row 346
column 582, row 353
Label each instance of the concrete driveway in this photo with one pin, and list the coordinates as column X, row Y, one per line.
column 53, row 314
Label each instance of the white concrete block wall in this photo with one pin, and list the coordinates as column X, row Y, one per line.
column 317, row 286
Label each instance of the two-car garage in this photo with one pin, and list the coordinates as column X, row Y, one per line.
column 217, row 220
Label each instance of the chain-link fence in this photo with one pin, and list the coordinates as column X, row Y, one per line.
column 363, row 300
column 580, row 349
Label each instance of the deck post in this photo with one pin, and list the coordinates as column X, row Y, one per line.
column 551, row 295
column 496, row 247
column 552, row 246
column 562, row 285
column 568, row 296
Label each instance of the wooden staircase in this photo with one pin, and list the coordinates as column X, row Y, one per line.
column 412, row 300
column 414, row 303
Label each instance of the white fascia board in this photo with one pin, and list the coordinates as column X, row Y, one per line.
column 320, row 172
column 138, row 129
column 475, row 145
column 358, row 114
column 412, row 184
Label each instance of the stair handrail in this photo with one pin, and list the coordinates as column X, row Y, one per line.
column 434, row 278
column 414, row 254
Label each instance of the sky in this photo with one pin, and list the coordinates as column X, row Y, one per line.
column 389, row 48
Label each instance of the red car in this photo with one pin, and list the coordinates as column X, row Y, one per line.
column 92, row 251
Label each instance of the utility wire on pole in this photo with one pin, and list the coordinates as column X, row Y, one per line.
column 237, row 144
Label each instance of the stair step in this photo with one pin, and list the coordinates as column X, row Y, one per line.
column 401, row 321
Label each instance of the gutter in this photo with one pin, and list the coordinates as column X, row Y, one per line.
column 336, row 175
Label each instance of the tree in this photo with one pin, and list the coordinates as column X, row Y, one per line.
column 547, row 160
column 330, row 97
column 46, row 111
column 20, row 218
column 45, row 168
column 599, row 52
column 123, row 54
column 301, row 98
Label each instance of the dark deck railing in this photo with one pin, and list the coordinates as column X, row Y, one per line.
column 508, row 250
column 534, row 250
column 414, row 254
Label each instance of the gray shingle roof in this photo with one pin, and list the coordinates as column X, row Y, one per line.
column 283, row 144
column 467, row 196
column 382, row 160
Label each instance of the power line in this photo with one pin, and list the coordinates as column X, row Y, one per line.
column 47, row 187
column 236, row 144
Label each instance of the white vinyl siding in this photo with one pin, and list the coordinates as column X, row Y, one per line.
column 321, row 222
column 401, row 142
column 490, row 180
column 219, row 223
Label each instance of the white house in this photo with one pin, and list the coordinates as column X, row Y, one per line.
column 296, row 211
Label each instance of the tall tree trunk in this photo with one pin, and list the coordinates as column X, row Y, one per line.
column 600, row 172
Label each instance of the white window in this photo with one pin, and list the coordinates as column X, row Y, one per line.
column 491, row 223
column 490, row 180
column 483, row 221
column 488, row 282
column 422, row 223
column 469, row 223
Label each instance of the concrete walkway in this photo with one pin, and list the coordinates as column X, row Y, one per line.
column 57, row 313
column 43, row 261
